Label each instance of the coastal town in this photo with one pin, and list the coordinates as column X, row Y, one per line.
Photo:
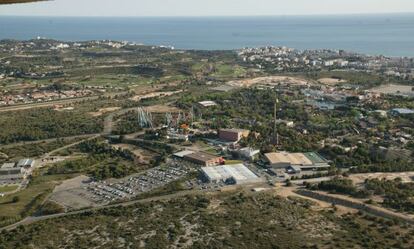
column 284, row 59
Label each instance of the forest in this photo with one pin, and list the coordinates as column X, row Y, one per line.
column 45, row 123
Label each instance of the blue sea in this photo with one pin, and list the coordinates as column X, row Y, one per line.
column 391, row 35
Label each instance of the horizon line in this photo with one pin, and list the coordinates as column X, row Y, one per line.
column 227, row 16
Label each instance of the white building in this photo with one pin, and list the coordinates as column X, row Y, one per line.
column 207, row 103
column 26, row 163
column 233, row 174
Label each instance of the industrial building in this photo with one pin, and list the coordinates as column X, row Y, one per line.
column 300, row 161
column 204, row 159
column 233, row 135
column 10, row 169
column 230, row 174
column 12, row 172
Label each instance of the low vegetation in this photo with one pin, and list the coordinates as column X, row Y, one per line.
column 340, row 186
column 231, row 220
column 397, row 195
column 102, row 162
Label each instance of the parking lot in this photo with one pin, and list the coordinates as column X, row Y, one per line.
column 103, row 192
column 96, row 193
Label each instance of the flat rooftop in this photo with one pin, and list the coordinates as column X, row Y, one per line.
column 284, row 157
column 238, row 172
column 315, row 157
column 234, row 130
column 25, row 162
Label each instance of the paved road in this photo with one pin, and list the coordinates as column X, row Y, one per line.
column 34, row 219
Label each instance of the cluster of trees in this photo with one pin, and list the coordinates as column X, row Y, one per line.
column 360, row 156
column 32, row 150
column 44, row 123
column 340, row 186
column 391, row 166
column 162, row 150
column 94, row 147
column 128, row 123
column 103, row 162
column 75, row 166
column 98, row 166
column 112, row 170
column 397, row 195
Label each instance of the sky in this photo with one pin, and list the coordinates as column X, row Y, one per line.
column 205, row 7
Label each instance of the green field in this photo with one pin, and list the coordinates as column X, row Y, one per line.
column 30, row 199
column 8, row 188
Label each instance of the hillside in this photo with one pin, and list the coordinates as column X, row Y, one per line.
column 230, row 220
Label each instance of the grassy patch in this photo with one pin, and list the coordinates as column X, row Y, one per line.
column 29, row 199
column 8, row 188
column 229, row 162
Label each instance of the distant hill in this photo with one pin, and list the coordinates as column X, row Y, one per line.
column 18, row 1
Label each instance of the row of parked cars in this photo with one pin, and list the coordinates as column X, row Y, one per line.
column 104, row 192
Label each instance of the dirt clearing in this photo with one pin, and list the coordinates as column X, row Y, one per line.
column 269, row 81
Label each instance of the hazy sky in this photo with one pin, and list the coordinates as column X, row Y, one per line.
column 205, row 7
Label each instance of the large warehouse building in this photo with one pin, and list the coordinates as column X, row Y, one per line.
column 231, row 174
column 304, row 161
column 10, row 169
column 12, row 172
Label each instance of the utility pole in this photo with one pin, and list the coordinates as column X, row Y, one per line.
column 275, row 134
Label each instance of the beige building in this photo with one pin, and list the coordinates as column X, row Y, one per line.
column 284, row 159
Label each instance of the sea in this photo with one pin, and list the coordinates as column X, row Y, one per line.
column 381, row 34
